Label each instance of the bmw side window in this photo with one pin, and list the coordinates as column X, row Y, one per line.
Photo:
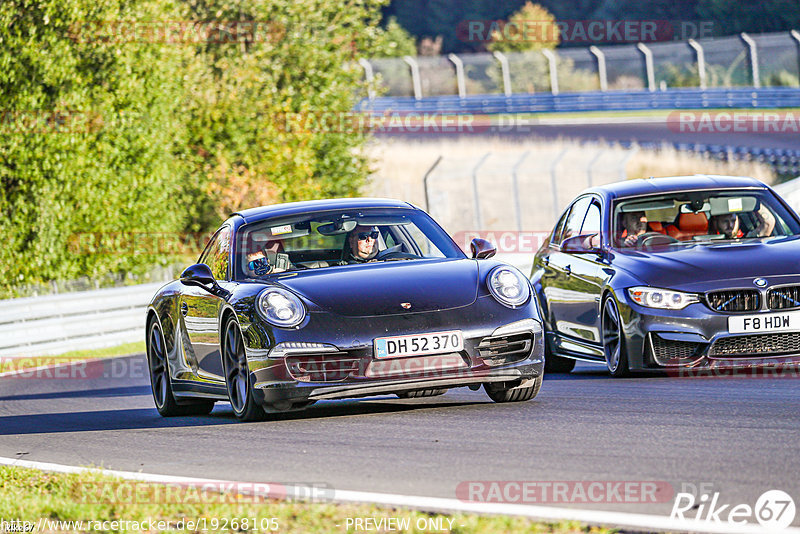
column 591, row 224
column 216, row 254
column 556, row 238
column 575, row 219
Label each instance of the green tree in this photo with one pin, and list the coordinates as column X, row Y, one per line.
column 89, row 144
column 530, row 28
column 175, row 133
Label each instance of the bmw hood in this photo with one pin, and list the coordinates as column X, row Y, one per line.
column 699, row 268
column 382, row 288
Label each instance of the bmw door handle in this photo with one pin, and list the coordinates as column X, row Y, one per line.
column 568, row 270
column 184, row 309
column 546, row 261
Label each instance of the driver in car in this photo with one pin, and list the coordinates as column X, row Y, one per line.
column 634, row 224
column 362, row 244
column 728, row 224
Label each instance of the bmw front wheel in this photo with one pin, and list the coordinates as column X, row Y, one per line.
column 613, row 339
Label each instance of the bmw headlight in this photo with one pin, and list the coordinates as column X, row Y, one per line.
column 280, row 307
column 665, row 299
column 508, row 286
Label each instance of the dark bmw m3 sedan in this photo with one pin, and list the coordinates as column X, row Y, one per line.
column 696, row 272
column 294, row 303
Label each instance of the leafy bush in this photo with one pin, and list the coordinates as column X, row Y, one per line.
column 92, row 161
column 530, row 28
column 106, row 136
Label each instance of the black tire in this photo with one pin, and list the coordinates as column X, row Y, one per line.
column 500, row 393
column 421, row 393
column 160, row 381
column 556, row 364
column 238, row 381
column 614, row 339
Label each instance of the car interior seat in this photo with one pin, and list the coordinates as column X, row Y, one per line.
column 689, row 225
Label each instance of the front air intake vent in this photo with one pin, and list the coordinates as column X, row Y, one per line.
column 505, row 349
column 734, row 300
column 322, row 368
column 783, row 298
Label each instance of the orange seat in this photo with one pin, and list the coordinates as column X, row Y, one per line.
column 689, row 225
column 656, row 226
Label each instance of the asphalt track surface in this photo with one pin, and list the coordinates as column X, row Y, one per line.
column 737, row 436
column 643, row 131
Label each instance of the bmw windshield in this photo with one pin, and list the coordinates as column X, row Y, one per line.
column 700, row 217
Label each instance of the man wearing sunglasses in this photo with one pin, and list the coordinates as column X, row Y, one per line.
column 362, row 244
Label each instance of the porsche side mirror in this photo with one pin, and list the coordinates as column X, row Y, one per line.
column 482, row 249
column 581, row 244
column 198, row 274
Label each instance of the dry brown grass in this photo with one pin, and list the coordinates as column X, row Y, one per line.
column 399, row 167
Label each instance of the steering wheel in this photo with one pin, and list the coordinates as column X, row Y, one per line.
column 651, row 239
column 394, row 253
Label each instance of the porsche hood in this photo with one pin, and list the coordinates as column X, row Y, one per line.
column 390, row 288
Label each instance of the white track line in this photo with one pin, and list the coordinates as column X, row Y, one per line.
column 621, row 519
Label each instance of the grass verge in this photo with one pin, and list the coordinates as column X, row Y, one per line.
column 38, row 497
column 29, row 362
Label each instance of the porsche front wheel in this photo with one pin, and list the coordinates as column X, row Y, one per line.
column 501, row 393
column 237, row 375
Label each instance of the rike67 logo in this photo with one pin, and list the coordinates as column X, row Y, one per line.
column 774, row 510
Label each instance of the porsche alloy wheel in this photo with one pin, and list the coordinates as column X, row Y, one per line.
column 501, row 393
column 160, row 381
column 613, row 339
column 237, row 375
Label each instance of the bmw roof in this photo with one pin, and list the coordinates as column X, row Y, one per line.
column 676, row 183
column 310, row 206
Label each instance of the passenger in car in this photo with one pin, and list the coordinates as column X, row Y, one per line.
column 729, row 225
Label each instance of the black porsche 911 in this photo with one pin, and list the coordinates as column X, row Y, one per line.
column 294, row 303
column 697, row 272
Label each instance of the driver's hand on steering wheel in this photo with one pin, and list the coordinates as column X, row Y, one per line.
column 630, row 241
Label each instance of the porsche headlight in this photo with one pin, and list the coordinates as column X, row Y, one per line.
column 665, row 299
column 280, row 307
column 508, row 286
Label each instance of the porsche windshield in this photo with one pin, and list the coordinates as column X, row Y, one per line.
column 699, row 217
column 339, row 238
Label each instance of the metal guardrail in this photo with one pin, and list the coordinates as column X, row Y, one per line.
column 771, row 97
column 55, row 324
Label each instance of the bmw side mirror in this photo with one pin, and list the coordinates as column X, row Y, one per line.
column 482, row 249
column 198, row 274
column 580, row 244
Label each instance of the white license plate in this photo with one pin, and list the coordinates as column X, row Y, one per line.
column 417, row 344
column 767, row 322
